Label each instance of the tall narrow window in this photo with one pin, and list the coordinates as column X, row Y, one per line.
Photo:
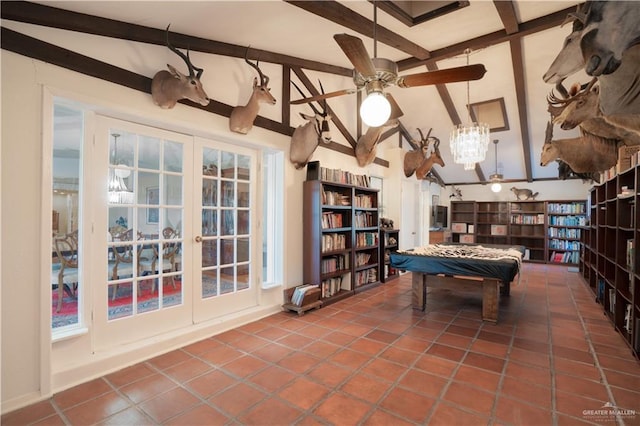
column 66, row 258
column 272, row 218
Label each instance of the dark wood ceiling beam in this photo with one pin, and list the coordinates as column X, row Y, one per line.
column 37, row 49
column 507, row 15
column 526, row 28
column 343, row 16
column 48, row 16
column 518, row 75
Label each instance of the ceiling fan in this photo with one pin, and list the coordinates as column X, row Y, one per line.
column 375, row 74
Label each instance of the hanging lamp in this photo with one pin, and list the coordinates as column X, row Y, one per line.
column 375, row 110
column 118, row 191
column 495, row 178
column 469, row 143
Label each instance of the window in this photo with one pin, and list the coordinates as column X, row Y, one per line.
column 67, row 238
column 273, row 212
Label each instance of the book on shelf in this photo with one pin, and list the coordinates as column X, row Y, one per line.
column 612, row 300
column 628, row 318
column 636, row 338
column 600, row 291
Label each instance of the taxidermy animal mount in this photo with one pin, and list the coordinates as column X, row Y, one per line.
column 456, row 193
column 305, row 138
column 242, row 117
column 523, row 193
column 168, row 87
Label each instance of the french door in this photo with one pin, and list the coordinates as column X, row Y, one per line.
column 171, row 242
column 224, row 218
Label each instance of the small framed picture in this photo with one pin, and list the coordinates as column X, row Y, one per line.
column 153, row 198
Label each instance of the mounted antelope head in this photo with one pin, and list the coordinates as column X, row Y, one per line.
column 428, row 163
column 168, row 87
column 305, row 138
column 413, row 159
column 367, row 144
column 242, row 117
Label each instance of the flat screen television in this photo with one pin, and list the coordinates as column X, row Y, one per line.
column 439, row 216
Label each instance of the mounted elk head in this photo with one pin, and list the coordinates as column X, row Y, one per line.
column 305, row 138
column 585, row 154
column 242, row 117
column 168, row 87
column 427, row 164
column 413, row 159
column 577, row 106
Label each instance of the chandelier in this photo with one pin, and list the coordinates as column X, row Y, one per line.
column 469, row 143
column 118, row 191
column 496, row 177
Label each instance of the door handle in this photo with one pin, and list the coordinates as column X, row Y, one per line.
column 198, row 239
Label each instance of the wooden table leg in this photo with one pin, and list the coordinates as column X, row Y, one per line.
column 490, row 299
column 419, row 290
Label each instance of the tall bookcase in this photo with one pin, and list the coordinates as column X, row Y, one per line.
column 463, row 220
column 549, row 230
column 492, row 222
column 527, row 228
column 389, row 240
column 609, row 257
column 565, row 221
column 340, row 249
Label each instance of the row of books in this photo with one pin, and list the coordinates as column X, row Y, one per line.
column 331, row 220
column 365, row 219
column 564, row 233
column 331, row 242
column 564, row 244
column 298, row 294
column 567, row 220
column 564, row 208
column 565, row 257
column 366, row 239
column 528, row 219
column 366, row 277
column 332, row 286
column 334, row 263
column 333, row 198
column 341, row 176
column 362, row 259
column 364, row 201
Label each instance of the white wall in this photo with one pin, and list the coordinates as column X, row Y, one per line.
column 32, row 366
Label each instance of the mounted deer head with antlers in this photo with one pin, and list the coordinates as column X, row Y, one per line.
column 168, row 87
column 413, row 159
column 242, row 117
column 427, row 164
column 305, row 138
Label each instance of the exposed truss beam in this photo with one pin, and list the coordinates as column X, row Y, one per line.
column 342, row 15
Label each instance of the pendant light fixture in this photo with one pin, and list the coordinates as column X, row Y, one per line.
column 495, row 178
column 118, row 191
column 469, row 143
column 375, row 110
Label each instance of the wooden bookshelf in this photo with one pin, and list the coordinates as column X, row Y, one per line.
column 565, row 221
column 608, row 256
column 492, row 222
column 340, row 249
column 389, row 239
column 527, row 228
column 463, row 221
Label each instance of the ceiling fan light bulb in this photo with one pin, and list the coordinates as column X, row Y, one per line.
column 375, row 109
column 496, row 187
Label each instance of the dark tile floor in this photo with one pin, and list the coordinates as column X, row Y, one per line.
column 552, row 359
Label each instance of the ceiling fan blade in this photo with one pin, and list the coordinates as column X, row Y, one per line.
column 396, row 112
column 323, row 96
column 354, row 48
column 451, row 75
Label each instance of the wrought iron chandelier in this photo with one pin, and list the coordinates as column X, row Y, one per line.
column 469, row 143
column 118, row 191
